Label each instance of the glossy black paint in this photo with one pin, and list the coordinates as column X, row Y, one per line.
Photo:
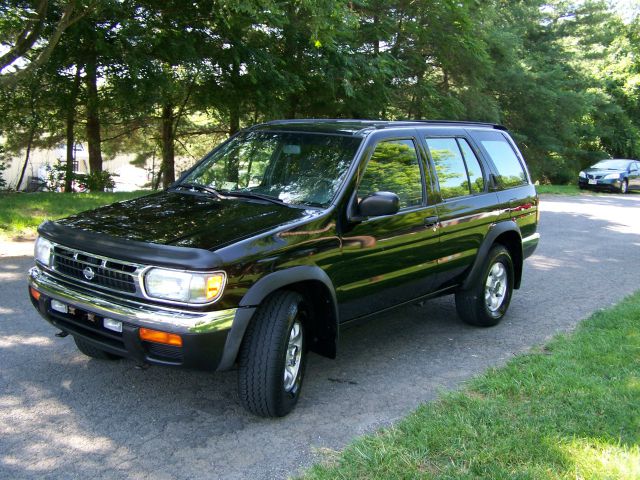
column 371, row 264
column 186, row 219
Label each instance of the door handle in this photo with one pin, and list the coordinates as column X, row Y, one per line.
column 431, row 222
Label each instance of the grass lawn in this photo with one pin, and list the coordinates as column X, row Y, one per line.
column 21, row 213
column 560, row 189
column 570, row 410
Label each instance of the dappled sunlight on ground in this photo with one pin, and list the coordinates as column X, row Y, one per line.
column 16, row 249
column 11, row 275
column 595, row 458
column 620, row 220
column 16, row 340
column 540, row 262
column 23, row 417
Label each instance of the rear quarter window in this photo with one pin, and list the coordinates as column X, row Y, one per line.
column 510, row 171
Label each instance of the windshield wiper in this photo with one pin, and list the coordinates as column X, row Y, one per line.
column 260, row 196
column 199, row 188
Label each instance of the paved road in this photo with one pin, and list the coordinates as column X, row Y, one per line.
column 63, row 415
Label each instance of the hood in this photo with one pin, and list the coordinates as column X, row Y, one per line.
column 186, row 220
column 603, row 171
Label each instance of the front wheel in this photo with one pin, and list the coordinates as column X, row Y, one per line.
column 487, row 300
column 624, row 186
column 273, row 356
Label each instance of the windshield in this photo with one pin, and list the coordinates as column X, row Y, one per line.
column 612, row 164
column 296, row 168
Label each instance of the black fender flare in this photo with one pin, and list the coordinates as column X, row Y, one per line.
column 261, row 290
column 495, row 231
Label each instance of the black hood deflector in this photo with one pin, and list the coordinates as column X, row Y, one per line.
column 129, row 250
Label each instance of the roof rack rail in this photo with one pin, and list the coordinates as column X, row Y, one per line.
column 460, row 122
column 368, row 124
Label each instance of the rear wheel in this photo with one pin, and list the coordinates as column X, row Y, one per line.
column 93, row 352
column 273, row 356
column 487, row 300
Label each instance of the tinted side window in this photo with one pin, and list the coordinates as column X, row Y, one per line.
column 473, row 166
column 394, row 167
column 452, row 174
column 510, row 171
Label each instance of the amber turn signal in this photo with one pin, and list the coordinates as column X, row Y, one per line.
column 34, row 293
column 157, row 336
column 214, row 284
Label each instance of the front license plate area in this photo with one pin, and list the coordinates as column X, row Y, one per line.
column 593, row 182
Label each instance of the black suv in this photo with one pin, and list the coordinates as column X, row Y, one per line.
column 285, row 234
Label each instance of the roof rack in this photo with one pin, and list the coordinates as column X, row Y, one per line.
column 460, row 122
column 381, row 124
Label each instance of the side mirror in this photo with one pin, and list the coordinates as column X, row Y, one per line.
column 378, row 204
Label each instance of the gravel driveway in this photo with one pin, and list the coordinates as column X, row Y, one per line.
column 63, row 415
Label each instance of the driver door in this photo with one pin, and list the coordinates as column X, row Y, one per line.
column 390, row 259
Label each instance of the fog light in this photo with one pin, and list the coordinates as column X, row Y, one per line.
column 111, row 324
column 59, row 306
column 157, row 336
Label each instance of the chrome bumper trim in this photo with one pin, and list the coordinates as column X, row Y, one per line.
column 531, row 239
column 167, row 319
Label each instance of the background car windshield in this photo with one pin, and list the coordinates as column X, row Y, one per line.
column 297, row 168
column 612, row 164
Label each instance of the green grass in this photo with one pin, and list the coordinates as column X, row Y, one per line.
column 560, row 189
column 21, row 213
column 569, row 410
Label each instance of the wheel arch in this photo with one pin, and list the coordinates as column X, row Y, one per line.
column 317, row 289
column 505, row 233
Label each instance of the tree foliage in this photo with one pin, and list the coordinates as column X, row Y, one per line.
column 167, row 81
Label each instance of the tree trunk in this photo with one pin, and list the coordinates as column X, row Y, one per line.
column 93, row 113
column 167, row 168
column 234, row 108
column 32, row 134
column 71, row 140
column 234, row 119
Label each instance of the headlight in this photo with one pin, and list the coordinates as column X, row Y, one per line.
column 42, row 251
column 611, row 176
column 582, row 175
column 187, row 287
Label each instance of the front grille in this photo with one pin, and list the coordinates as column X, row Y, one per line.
column 597, row 177
column 89, row 269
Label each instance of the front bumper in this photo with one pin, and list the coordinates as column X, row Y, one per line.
column 205, row 335
column 612, row 185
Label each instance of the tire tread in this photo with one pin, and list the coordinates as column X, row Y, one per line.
column 255, row 375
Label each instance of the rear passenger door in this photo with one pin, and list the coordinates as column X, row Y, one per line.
column 466, row 207
column 510, row 178
column 391, row 259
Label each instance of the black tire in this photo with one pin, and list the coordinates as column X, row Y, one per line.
column 624, row 186
column 471, row 303
column 264, row 352
column 93, row 352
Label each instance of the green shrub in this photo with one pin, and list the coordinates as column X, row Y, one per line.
column 97, row 181
column 55, row 176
